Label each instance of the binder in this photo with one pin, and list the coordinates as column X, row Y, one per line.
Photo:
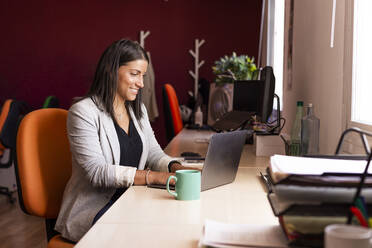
column 320, row 194
column 298, row 233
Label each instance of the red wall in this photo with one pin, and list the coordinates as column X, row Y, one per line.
column 51, row 47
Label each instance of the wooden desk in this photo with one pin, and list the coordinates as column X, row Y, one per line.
column 147, row 217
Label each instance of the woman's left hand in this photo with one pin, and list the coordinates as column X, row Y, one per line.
column 177, row 166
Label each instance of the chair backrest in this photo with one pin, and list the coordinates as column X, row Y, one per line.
column 12, row 110
column 43, row 161
column 3, row 116
column 173, row 120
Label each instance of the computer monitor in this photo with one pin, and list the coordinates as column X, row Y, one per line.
column 256, row 96
column 248, row 96
column 268, row 79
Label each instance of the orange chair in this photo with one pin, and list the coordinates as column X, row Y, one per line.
column 173, row 120
column 3, row 116
column 10, row 113
column 43, row 167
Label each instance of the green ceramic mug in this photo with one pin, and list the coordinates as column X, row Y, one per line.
column 187, row 185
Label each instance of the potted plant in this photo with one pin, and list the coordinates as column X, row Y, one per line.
column 235, row 68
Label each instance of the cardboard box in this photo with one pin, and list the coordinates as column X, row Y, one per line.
column 268, row 145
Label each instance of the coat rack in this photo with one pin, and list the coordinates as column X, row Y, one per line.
column 143, row 36
column 195, row 74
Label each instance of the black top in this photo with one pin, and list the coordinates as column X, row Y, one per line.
column 130, row 145
column 130, row 155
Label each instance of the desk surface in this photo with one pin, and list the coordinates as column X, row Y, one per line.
column 147, row 217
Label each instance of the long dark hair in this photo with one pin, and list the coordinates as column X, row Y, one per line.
column 105, row 83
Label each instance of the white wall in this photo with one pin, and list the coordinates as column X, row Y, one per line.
column 317, row 68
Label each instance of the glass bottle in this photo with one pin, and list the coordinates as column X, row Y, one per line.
column 199, row 117
column 310, row 132
column 295, row 143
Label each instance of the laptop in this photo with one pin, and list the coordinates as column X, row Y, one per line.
column 246, row 103
column 222, row 160
column 232, row 121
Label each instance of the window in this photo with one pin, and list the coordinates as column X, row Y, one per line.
column 275, row 43
column 361, row 101
column 357, row 72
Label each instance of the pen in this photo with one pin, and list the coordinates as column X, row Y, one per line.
column 359, row 189
column 362, row 200
column 268, row 184
column 359, row 216
column 362, row 207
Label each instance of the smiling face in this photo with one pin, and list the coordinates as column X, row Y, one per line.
column 130, row 79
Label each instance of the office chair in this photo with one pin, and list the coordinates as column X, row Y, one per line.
column 10, row 113
column 43, row 167
column 173, row 120
column 51, row 102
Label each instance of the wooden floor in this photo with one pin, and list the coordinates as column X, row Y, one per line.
column 18, row 229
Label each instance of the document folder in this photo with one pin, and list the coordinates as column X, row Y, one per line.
column 309, row 209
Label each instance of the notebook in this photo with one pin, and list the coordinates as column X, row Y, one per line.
column 222, row 159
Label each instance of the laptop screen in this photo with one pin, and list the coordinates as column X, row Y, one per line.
column 222, row 160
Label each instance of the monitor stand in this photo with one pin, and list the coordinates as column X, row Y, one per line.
column 275, row 130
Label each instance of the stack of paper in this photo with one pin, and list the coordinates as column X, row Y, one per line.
column 282, row 166
column 224, row 235
column 317, row 180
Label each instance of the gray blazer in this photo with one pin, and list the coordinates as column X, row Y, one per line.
column 96, row 172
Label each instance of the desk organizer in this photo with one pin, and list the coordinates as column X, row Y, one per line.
column 303, row 220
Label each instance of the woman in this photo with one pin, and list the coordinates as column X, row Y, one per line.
column 111, row 141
